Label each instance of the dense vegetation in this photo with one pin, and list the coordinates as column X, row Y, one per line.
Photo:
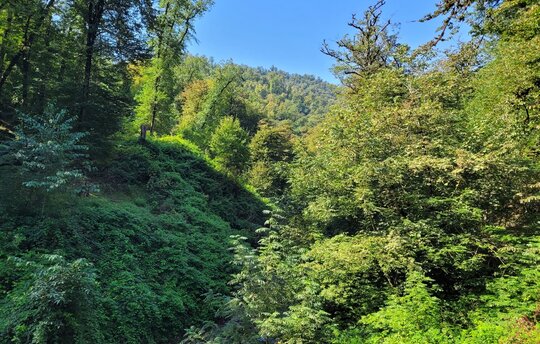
column 151, row 196
column 202, row 92
column 130, row 264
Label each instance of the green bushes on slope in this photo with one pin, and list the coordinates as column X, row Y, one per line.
column 154, row 243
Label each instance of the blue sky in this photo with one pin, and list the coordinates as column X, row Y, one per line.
column 288, row 34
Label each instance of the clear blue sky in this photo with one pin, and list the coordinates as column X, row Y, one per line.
column 288, row 34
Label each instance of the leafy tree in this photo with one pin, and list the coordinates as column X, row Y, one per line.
column 57, row 304
column 206, row 102
column 228, row 146
column 193, row 100
column 49, row 151
column 174, row 26
column 371, row 49
column 268, row 286
column 414, row 317
column 271, row 152
column 213, row 91
column 18, row 38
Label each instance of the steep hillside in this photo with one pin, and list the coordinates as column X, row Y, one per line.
column 153, row 243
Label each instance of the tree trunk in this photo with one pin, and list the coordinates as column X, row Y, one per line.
column 26, row 65
column 63, row 62
column 93, row 20
column 154, row 104
column 25, row 46
column 3, row 47
column 26, row 76
column 158, row 77
column 162, row 36
column 40, row 99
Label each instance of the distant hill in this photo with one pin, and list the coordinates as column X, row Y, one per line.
column 303, row 100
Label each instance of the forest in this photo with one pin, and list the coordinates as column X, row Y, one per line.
column 151, row 195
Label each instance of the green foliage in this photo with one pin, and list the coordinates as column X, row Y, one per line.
column 205, row 103
column 271, row 153
column 157, row 238
column 228, row 146
column 300, row 101
column 158, row 84
column 210, row 92
column 56, row 302
column 413, row 206
column 149, row 99
column 414, row 317
column 48, row 150
column 49, row 53
column 409, row 204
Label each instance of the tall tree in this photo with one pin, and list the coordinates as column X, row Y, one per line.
column 34, row 17
column 174, row 26
column 373, row 47
column 113, row 30
column 93, row 18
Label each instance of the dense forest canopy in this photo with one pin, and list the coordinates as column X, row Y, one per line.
column 149, row 195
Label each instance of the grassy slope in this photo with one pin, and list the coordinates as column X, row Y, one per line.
column 157, row 235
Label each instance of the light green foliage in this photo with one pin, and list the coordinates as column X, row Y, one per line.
column 193, row 100
column 414, row 317
column 159, row 84
column 416, row 198
column 206, row 102
column 214, row 91
column 271, row 301
column 356, row 273
column 148, row 98
column 301, row 101
column 228, row 146
column 48, row 150
column 506, row 103
column 290, row 308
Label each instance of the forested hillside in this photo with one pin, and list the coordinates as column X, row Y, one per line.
column 148, row 195
column 202, row 90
